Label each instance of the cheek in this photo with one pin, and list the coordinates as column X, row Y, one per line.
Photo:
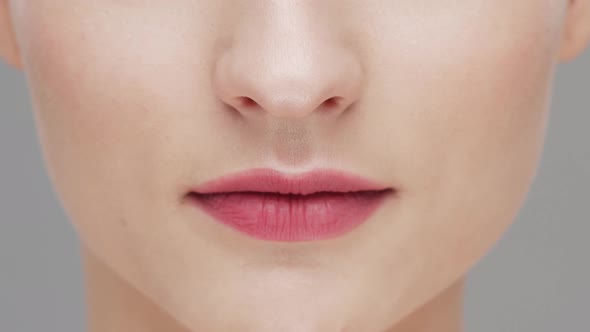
column 484, row 132
column 99, row 101
column 104, row 85
column 468, row 100
column 108, row 93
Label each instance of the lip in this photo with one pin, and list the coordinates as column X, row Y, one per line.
column 267, row 204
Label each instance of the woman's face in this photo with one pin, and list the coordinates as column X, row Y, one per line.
column 136, row 102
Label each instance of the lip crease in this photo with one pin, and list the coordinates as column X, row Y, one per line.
column 267, row 204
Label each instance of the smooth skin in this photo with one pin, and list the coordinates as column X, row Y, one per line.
column 137, row 100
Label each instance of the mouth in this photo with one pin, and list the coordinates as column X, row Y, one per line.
column 269, row 205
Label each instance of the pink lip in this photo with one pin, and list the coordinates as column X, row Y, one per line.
column 270, row 205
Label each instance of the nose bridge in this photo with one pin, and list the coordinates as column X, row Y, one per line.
column 286, row 63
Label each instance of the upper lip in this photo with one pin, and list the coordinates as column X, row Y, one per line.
column 273, row 181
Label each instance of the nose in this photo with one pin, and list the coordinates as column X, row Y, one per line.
column 285, row 64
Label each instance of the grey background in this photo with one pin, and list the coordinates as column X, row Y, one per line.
column 536, row 279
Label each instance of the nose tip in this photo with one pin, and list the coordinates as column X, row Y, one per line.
column 294, row 87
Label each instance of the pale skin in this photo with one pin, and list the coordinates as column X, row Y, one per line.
column 132, row 101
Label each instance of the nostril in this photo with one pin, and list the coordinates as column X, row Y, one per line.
column 332, row 102
column 246, row 102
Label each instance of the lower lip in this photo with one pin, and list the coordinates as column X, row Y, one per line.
column 283, row 217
